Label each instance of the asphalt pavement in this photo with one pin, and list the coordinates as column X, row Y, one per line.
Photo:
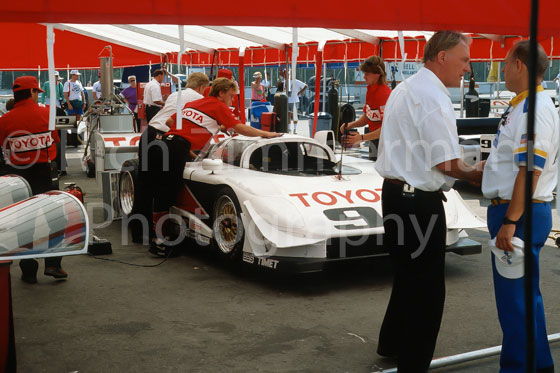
column 131, row 312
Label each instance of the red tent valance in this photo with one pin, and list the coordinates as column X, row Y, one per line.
column 497, row 17
column 28, row 46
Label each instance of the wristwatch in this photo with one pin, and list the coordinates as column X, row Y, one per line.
column 508, row 221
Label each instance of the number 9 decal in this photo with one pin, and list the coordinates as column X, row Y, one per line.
column 354, row 218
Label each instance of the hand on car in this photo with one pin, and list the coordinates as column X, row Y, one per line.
column 271, row 135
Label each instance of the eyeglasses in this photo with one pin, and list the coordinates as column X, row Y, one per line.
column 131, row 80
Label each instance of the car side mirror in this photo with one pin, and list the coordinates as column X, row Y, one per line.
column 212, row 164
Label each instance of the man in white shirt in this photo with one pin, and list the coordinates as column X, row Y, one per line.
column 141, row 216
column 74, row 95
column 96, row 89
column 419, row 155
column 153, row 99
column 503, row 182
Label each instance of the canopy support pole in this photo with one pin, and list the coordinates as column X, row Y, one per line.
column 318, row 72
column 180, row 89
column 294, row 95
column 52, row 83
column 467, row 356
column 325, row 87
column 242, row 84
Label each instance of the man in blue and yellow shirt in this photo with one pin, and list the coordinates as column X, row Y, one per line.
column 504, row 183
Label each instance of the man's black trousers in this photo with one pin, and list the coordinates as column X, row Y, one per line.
column 150, row 158
column 151, row 111
column 415, row 234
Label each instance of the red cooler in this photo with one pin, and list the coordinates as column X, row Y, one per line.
column 268, row 121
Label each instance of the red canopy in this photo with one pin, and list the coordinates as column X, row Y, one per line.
column 26, row 46
column 482, row 49
column 495, row 17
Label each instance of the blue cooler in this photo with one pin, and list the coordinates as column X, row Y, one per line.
column 257, row 108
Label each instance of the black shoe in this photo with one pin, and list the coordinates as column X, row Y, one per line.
column 158, row 249
column 29, row 270
column 55, row 272
column 387, row 354
column 30, row 279
column 163, row 251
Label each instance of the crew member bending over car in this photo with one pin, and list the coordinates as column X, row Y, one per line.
column 201, row 119
column 150, row 154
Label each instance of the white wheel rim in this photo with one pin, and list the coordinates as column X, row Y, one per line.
column 126, row 192
column 228, row 228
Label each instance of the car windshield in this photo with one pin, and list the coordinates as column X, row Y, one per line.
column 229, row 151
column 296, row 158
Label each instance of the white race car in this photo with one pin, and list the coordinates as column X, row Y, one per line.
column 283, row 204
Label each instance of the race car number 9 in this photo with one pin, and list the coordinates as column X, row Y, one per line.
column 486, row 143
column 354, row 218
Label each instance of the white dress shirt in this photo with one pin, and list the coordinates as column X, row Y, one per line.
column 170, row 107
column 419, row 132
column 152, row 92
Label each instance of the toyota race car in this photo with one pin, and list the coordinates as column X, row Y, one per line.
column 287, row 203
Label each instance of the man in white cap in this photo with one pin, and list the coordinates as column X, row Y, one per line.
column 59, row 92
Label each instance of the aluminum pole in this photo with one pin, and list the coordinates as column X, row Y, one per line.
column 53, row 86
column 467, row 356
column 179, row 118
column 324, row 87
column 462, row 88
column 294, row 94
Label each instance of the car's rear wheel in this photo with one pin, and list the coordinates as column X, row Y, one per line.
column 127, row 181
column 227, row 225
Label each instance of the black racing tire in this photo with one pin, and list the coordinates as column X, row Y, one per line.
column 128, row 180
column 90, row 169
column 227, row 227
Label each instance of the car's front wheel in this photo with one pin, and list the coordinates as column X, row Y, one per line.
column 227, row 226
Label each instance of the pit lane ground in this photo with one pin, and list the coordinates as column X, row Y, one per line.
column 194, row 313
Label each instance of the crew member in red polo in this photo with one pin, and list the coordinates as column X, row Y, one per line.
column 226, row 73
column 377, row 95
column 201, row 119
column 24, row 132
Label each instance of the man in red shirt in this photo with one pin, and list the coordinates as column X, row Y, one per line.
column 377, row 95
column 24, row 132
column 226, row 73
column 201, row 119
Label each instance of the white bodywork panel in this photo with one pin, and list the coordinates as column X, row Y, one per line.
column 286, row 215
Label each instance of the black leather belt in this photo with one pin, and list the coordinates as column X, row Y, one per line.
column 410, row 189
